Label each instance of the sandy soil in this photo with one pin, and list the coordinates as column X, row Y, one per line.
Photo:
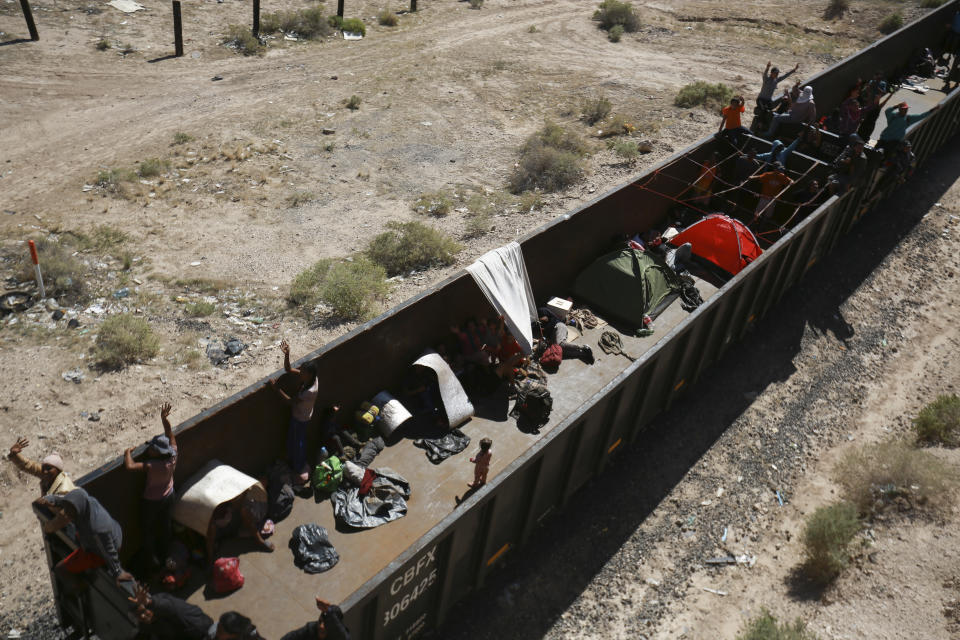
column 447, row 98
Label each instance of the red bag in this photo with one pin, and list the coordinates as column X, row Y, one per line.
column 226, row 575
column 551, row 356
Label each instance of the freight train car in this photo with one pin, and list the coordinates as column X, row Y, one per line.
column 400, row 579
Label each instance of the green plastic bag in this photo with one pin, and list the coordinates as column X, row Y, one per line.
column 327, row 475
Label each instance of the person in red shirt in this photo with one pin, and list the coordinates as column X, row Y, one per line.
column 731, row 127
column 772, row 183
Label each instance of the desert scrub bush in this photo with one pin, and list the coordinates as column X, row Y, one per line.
column 836, row 8
column 931, row 4
column 192, row 358
column 124, row 339
column 240, row 38
column 876, row 476
column 617, row 126
column 308, row 24
column 703, row 94
column 626, row 149
column 595, row 109
column 612, row 13
column 891, row 23
column 532, row 29
column 181, row 137
column 114, row 180
column 354, row 25
column 766, row 627
column 826, row 534
column 407, row 246
column 299, row 198
column 350, row 288
column 152, row 167
column 352, row 103
column 529, row 201
column 199, row 309
column 387, row 18
column 476, row 4
column 615, row 33
column 437, row 203
column 551, row 159
column 62, row 272
column 939, row 421
column 480, row 212
column 103, row 44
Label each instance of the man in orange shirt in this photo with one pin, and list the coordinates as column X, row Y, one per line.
column 730, row 126
column 771, row 184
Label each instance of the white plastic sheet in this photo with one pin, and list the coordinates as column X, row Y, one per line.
column 456, row 404
column 502, row 276
column 392, row 413
column 207, row 489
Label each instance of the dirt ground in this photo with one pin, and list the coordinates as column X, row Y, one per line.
column 258, row 192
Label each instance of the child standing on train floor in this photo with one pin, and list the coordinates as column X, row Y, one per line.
column 481, row 464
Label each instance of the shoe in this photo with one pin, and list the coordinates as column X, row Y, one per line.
column 587, row 355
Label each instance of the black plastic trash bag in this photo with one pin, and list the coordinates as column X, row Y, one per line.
column 279, row 491
column 386, row 501
column 439, row 449
column 312, row 550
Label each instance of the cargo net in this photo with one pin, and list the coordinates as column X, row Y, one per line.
column 701, row 196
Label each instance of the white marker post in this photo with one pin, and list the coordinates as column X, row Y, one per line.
column 36, row 268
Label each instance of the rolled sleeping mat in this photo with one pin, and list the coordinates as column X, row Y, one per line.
column 392, row 413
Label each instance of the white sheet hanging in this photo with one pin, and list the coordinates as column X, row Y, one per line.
column 502, row 276
column 456, row 404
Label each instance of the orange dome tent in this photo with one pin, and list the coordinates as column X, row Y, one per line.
column 721, row 240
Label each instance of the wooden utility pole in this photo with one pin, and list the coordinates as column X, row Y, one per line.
column 413, row 6
column 256, row 18
column 28, row 16
column 340, row 8
column 177, row 29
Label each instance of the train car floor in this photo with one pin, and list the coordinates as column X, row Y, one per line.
column 279, row 597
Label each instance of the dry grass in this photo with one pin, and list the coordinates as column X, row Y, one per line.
column 891, row 23
column 387, row 18
column 437, row 203
column 63, row 274
column 307, row 24
column 939, row 421
column 595, row 109
column 123, row 340
column 766, row 627
column 199, row 309
column 875, row 477
column 240, row 38
column 299, row 198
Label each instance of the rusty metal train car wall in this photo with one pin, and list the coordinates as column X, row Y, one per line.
column 414, row 591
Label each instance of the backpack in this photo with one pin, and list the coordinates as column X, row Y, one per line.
column 533, row 406
column 279, row 492
column 551, row 356
column 327, row 475
column 226, row 575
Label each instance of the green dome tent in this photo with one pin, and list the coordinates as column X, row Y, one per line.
column 626, row 285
